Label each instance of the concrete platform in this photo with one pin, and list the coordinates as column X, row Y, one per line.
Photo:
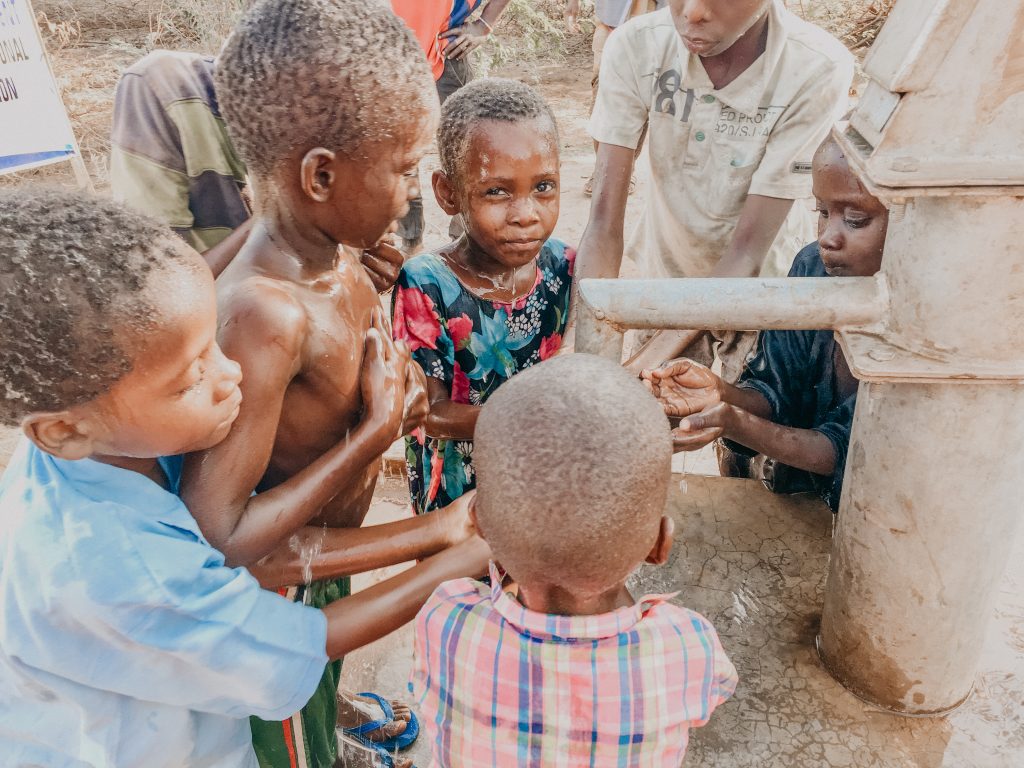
column 754, row 564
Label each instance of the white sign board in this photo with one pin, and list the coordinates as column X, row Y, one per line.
column 34, row 126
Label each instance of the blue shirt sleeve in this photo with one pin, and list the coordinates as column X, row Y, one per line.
column 149, row 610
column 836, row 428
column 778, row 372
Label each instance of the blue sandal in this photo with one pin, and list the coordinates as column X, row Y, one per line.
column 401, row 741
column 379, row 757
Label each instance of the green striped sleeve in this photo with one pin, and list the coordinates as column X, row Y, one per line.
column 204, row 140
column 150, row 187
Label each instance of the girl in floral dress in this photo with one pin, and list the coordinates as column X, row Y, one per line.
column 495, row 301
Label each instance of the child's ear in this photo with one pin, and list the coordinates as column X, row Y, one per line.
column 663, row 544
column 318, row 174
column 62, row 434
column 445, row 193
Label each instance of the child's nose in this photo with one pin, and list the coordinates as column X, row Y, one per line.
column 831, row 238
column 524, row 211
column 696, row 11
column 413, row 191
column 230, row 378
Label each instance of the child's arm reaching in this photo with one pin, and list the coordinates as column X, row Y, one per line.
column 379, row 610
column 264, row 333
column 711, row 408
column 316, row 553
column 448, row 419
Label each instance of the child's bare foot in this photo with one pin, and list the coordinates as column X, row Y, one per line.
column 355, row 710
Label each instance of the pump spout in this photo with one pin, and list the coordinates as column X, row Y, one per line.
column 606, row 308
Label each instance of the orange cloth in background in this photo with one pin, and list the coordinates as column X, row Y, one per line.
column 429, row 18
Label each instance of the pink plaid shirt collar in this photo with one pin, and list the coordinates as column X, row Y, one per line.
column 547, row 626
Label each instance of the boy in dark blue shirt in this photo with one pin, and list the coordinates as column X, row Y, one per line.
column 794, row 401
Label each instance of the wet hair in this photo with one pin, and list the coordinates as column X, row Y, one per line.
column 299, row 74
column 490, row 98
column 573, row 460
column 74, row 274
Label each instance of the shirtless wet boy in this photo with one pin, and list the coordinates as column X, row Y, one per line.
column 332, row 106
column 125, row 640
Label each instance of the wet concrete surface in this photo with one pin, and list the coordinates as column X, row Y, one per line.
column 755, row 564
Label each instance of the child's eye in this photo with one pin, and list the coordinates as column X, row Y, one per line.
column 412, row 173
column 191, row 387
column 195, row 384
column 857, row 223
column 494, row 191
column 546, row 186
column 821, row 212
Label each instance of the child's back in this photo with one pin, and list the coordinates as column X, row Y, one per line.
column 556, row 663
column 124, row 637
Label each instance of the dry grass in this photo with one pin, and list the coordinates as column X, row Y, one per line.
column 92, row 41
column 854, row 22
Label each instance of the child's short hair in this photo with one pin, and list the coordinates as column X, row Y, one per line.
column 573, row 460
column 490, row 98
column 73, row 299
column 299, row 74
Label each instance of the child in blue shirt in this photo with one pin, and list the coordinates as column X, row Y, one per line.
column 124, row 639
column 794, row 401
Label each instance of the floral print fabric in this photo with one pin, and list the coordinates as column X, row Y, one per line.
column 472, row 345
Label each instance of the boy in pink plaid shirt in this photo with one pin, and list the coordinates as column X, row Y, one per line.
column 556, row 663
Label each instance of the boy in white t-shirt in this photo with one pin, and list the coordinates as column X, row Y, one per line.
column 736, row 95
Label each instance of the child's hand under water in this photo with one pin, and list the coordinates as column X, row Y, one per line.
column 683, row 387
column 691, row 392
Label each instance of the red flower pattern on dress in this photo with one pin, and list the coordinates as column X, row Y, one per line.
column 436, row 471
column 549, row 346
column 460, row 386
column 415, row 321
column 459, row 328
column 570, row 256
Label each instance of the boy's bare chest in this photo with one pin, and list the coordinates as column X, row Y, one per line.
column 323, row 401
column 332, row 355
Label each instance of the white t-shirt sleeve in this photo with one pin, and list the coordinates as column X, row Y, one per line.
column 621, row 107
column 785, row 169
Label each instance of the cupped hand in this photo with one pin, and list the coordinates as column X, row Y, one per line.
column 683, row 387
column 699, row 429
column 382, row 379
column 382, row 263
column 464, row 40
